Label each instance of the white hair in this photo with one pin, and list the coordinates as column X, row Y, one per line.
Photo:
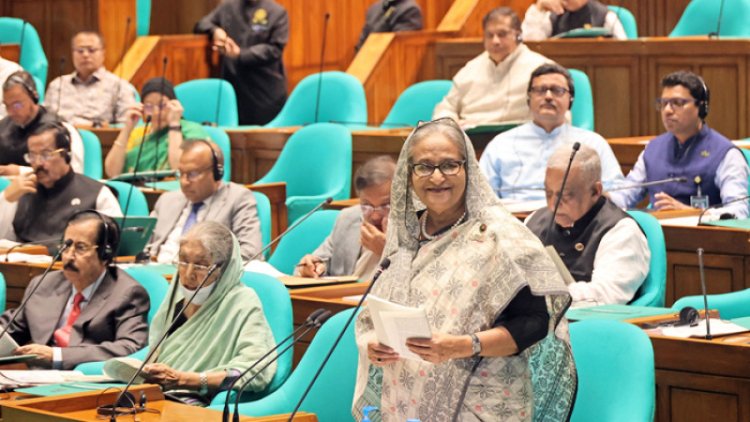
column 586, row 159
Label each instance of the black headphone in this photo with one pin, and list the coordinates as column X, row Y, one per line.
column 26, row 84
column 688, row 316
column 703, row 103
column 63, row 131
column 106, row 250
column 218, row 168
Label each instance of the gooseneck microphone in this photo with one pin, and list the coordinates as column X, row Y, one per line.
column 116, row 99
column 33, row 242
column 320, row 70
column 576, row 147
column 384, row 264
column 715, row 206
column 652, row 183
column 718, row 22
column 20, row 308
column 158, row 115
column 111, row 410
column 703, row 291
column 315, row 320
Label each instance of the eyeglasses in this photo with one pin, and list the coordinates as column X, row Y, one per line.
column 183, row 266
column 81, row 248
column 90, row 50
column 193, row 175
column 151, row 107
column 557, row 91
column 368, row 209
column 675, row 103
column 16, row 105
column 448, row 168
column 500, row 34
column 43, row 157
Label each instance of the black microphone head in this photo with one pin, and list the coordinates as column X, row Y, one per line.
column 328, row 200
column 68, row 243
column 576, row 146
column 164, row 61
column 314, row 315
column 328, row 15
column 385, row 263
column 148, row 119
column 322, row 318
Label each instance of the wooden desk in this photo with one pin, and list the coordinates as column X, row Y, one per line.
column 10, row 52
column 17, row 276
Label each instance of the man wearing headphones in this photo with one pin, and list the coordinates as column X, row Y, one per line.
column 491, row 88
column 391, row 16
column 716, row 170
column 204, row 196
column 515, row 161
column 547, row 18
column 89, row 311
column 25, row 115
column 35, row 206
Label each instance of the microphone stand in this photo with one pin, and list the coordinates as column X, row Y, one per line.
column 703, row 290
column 158, row 118
column 59, row 88
column 116, row 99
column 576, row 147
column 320, row 71
column 647, row 184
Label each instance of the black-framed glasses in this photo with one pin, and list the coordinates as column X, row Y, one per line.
column 193, row 175
column 368, row 209
column 31, row 157
column 675, row 103
column 152, row 107
column 557, row 91
column 447, row 168
column 81, row 248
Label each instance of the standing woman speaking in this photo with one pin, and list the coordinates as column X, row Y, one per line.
column 493, row 298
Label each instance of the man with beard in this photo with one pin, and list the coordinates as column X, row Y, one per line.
column 89, row 311
column 515, row 161
column 35, row 206
column 358, row 237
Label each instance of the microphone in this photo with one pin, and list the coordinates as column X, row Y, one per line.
column 320, row 70
column 653, row 183
column 384, row 264
column 116, row 98
column 703, row 290
column 218, row 96
column 740, row 199
column 111, row 410
column 59, row 87
column 576, row 147
column 718, row 22
column 314, row 320
column 65, row 246
column 158, row 115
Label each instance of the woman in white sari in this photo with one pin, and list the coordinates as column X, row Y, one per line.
column 490, row 291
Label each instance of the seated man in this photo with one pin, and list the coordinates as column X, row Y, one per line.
column 491, row 88
column 547, row 18
column 89, row 311
column 714, row 168
column 604, row 249
column 25, row 115
column 203, row 196
column 7, row 67
column 35, row 206
column 358, row 237
column 90, row 96
column 159, row 148
column 391, row 16
column 515, row 160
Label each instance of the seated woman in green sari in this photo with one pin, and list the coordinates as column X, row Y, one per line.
column 161, row 148
column 222, row 332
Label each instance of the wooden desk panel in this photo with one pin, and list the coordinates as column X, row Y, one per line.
column 10, row 52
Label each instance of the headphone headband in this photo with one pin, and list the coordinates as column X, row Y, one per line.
column 30, row 89
column 216, row 166
column 105, row 251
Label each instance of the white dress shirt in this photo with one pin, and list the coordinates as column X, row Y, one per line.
column 537, row 25
column 171, row 247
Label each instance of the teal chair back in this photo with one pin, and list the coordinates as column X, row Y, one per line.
column 315, row 163
column 143, row 17
column 730, row 305
column 654, row 287
column 4, row 182
column 615, row 364
column 38, row 83
column 199, row 97
column 263, row 205
column 342, row 100
column 416, row 103
column 583, row 104
column 701, row 17
column 138, row 206
column 32, row 59
column 155, row 284
column 628, row 21
column 220, row 138
column 746, row 153
column 2, row 293
column 330, row 399
column 303, row 240
column 92, row 154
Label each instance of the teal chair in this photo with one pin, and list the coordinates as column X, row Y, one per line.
column 220, row 138
column 302, row 240
column 330, row 399
column 92, row 154
column 143, row 17
column 138, row 206
column 263, row 205
column 628, row 21
column 33, row 58
column 615, row 364
column 342, row 100
column 730, row 305
column 416, row 103
column 38, row 83
column 654, row 287
column 315, row 163
column 746, row 153
column 583, row 104
column 199, row 97
column 2, row 293
column 701, row 17
column 4, row 182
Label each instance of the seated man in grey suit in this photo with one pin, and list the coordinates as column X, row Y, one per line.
column 89, row 311
column 356, row 242
column 203, row 196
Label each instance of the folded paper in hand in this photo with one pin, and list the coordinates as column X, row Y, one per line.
column 123, row 369
column 395, row 323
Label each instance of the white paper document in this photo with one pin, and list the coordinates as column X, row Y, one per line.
column 7, row 344
column 37, row 377
column 122, row 369
column 718, row 328
column 395, row 323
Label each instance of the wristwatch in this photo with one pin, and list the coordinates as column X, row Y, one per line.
column 204, row 383
column 476, row 346
column 177, row 128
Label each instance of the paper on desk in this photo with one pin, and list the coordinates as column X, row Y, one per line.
column 25, row 257
column 718, row 328
column 263, row 267
column 7, row 244
column 395, row 323
column 36, row 377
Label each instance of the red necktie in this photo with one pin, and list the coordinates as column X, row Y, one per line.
column 62, row 334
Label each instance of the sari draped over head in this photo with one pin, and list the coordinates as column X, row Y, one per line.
column 228, row 331
column 464, row 279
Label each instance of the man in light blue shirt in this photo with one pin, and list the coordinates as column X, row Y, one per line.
column 515, row 161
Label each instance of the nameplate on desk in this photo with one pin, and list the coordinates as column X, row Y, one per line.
column 292, row 281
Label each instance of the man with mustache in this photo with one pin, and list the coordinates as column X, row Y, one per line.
column 358, row 237
column 89, row 311
column 547, row 18
column 515, row 161
column 35, row 206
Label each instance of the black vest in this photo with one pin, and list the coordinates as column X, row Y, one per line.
column 13, row 137
column 593, row 13
column 43, row 215
column 577, row 245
